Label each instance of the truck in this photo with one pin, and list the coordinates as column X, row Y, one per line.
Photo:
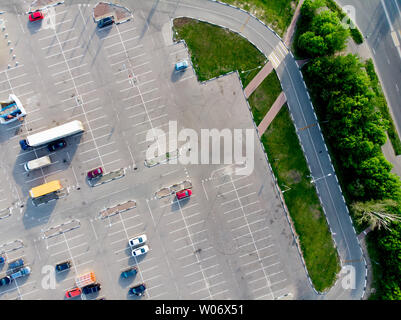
column 37, row 163
column 11, row 110
column 44, row 189
column 85, row 279
column 53, row 134
column 20, row 273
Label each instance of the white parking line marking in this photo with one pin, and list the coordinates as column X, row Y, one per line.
column 202, row 269
column 241, row 207
column 190, row 245
column 224, row 193
column 187, row 226
column 114, row 161
column 53, row 45
column 62, row 52
column 237, row 199
column 68, row 70
column 71, row 79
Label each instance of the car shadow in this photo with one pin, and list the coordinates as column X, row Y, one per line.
column 126, row 282
column 175, row 206
column 177, row 75
column 34, row 26
column 35, row 216
column 62, row 275
column 92, row 295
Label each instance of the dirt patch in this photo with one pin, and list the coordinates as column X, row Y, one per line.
column 294, row 176
column 315, row 212
column 179, row 22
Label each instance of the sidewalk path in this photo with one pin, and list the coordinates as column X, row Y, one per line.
column 262, row 74
column 274, row 110
column 291, row 29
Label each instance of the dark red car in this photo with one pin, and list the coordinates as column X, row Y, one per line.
column 184, row 194
column 95, row 173
column 37, row 15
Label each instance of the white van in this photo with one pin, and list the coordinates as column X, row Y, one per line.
column 37, row 163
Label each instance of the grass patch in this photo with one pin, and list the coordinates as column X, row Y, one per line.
column 380, row 101
column 216, row 51
column 275, row 13
column 264, row 96
column 356, row 35
column 289, row 166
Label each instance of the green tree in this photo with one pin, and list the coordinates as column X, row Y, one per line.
column 309, row 7
column 315, row 43
column 325, row 34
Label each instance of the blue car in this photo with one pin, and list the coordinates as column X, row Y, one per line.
column 105, row 22
column 129, row 273
column 63, row 266
column 2, row 259
column 4, row 281
column 138, row 290
column 181, row 65
column 16, row 263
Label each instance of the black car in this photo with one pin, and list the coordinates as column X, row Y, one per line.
column 138, row 290
column 91, row 288
column 105, row 22
column 4, row 281
column 63, row 266
column 56, row 145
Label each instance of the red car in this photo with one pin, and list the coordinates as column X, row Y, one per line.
column 37, row 15
column 73, row 293
column 95, row 173
column 183, row 194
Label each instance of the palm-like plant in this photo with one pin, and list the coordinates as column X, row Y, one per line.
column 376, row 214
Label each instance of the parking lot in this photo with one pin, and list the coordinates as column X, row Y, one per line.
column 229, row 240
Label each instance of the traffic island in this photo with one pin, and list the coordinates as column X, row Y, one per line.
column 104, row 10
column 43, row 4
column 11, row 246
column 107, row 177
column 5, row 213
column 130, row 204
column 60, row 229
column 164, row 158
column 165, row 192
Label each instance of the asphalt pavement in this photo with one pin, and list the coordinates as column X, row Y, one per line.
column 322, row 172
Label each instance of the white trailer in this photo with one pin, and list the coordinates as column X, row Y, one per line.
column 11, row 110
column 50, row 135
column 37, row 163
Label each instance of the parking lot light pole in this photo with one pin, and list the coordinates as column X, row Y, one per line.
column 314, row 180
column 243, row 71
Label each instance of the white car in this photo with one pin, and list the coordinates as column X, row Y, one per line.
column 140, row 240
column 140, row 251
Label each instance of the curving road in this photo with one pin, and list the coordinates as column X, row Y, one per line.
column 303, row 115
